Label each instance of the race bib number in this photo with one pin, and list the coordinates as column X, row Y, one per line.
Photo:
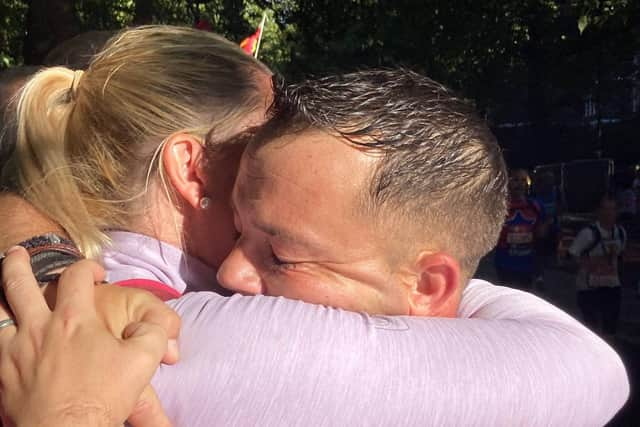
column 520, row 238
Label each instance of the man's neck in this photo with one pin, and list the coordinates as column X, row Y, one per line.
column 19, row 221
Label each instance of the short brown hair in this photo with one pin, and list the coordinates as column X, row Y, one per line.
column 441, row 168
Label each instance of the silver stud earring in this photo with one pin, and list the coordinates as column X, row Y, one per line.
column 205, row 202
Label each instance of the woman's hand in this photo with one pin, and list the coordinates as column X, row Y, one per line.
column 64, row 367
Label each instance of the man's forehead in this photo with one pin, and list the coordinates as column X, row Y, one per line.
column 299, row 152
column 301, row 173
column 267, row 194
column 250, row 181
column 289, row 162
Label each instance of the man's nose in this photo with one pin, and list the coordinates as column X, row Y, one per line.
column 238, row 274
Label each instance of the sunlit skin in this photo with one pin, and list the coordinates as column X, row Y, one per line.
column 303, row 234
column 195, row 175
column 217, row 219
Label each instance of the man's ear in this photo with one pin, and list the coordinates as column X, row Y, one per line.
column 182, row 157
column 437, row 291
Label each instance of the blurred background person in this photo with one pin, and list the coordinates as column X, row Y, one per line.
column 525, row 225
column 598, row 249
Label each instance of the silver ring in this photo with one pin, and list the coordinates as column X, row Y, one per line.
column 6, row 323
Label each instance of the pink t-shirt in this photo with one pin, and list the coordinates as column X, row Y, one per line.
column 509, row 359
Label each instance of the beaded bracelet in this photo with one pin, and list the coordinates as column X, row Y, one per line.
column 49, row 252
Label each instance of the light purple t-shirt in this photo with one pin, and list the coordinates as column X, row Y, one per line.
column 510, row 359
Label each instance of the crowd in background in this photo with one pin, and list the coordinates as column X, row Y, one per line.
column 595, row 247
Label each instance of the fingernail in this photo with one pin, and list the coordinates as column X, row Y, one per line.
column 173, row 346
column 13, row 249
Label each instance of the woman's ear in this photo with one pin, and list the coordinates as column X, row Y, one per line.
column 436, row 291
column 182, row 155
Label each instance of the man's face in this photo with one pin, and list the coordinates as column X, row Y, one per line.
column 607, row 212
column 302, row 235
column 518, row 184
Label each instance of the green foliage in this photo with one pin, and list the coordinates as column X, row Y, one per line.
column 104, row 14
column 277, row 38
column 499, row 53
column 11, row 31
column 598, row 12
column 235, row 20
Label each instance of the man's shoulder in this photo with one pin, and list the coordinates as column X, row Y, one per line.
column 484, row 300
column 477, row 294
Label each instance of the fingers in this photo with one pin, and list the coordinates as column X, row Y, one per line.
column 147, row 339
column 148, row 343
column 148, row 411
column 20, row 287
column 160, row 314
column 5, row 313
column 76, row 287
column 172, row 354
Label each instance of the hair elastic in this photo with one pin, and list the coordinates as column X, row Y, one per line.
column 77, row 75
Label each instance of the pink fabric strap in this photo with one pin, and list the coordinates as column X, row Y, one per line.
column 158, row 289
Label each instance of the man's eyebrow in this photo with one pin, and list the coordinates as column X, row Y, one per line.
column 241, row 195
column 269, row 229
column 275, row 231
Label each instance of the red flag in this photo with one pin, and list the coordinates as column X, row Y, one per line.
column 204, row 25
column 250, row 44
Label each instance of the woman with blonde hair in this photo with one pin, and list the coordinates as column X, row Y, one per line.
column 133, row 143
column 130, row 144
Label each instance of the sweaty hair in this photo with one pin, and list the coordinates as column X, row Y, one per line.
column 441, row 173
column 86, row 141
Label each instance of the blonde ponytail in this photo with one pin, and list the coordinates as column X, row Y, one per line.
column 81, row 138
column 44, row 171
